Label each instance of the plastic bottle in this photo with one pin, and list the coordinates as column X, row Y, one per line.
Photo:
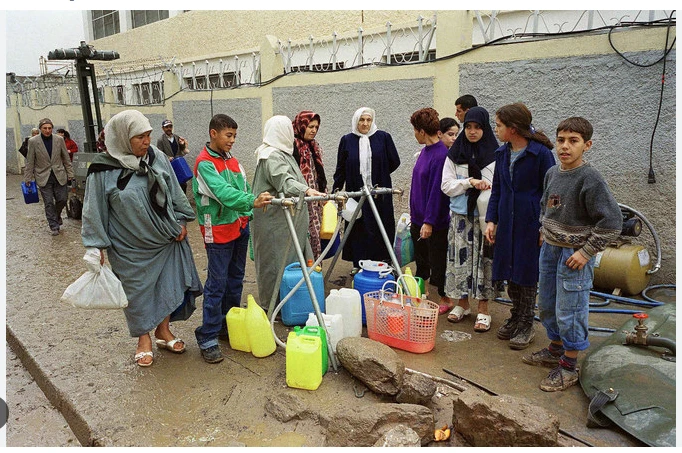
column 334, row 325
column 303, row 361
column 346, row 302
column 329, row 220
column 258, row 328
column 237, row 330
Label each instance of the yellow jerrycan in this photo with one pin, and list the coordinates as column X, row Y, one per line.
column 236, row 329
column 258, row 329
column 329, row 220
column 303, row 361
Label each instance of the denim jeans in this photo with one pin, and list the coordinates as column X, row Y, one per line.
column 223, row 288
column 564, row 297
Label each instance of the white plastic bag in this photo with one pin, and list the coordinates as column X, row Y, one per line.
column 98, row 287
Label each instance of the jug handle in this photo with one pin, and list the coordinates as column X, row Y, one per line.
column 383, row 274
column 399, row 290
column 362, row 266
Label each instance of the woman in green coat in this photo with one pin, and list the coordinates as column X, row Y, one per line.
column 278, row 173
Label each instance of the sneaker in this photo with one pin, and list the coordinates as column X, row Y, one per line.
column 212, row 354
column 507, row 329
column 542, row 358
column 559, row 379
column 54, row 232
column 522, row 338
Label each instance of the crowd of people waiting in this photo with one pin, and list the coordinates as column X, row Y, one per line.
column 482, row 214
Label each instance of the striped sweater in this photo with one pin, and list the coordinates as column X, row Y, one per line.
column 223, row 197
column 578, row 210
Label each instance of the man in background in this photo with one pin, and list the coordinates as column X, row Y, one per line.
column 48, row 163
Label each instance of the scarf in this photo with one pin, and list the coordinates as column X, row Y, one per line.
column 365, row 148
column 118, row 132
column 476, row 155
column 278, row 134
column 307, row 153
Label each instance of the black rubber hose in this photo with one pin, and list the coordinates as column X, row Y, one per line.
column 662, row 342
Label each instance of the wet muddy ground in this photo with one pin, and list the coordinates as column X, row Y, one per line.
column 82, row 361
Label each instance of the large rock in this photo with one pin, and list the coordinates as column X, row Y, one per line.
column 399, row 436
column 503, row 421
column 416, row 389
column 374, row 363
column 285, row 406
column 364, row 426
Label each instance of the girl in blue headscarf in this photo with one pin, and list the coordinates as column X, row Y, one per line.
column 468, row 175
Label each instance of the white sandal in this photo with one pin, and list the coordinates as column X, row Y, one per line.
column 142, row 354
column 458, row 313
column 485, row 320
column 170, row 345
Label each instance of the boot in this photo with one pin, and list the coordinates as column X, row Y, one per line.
column 508, row 328
column 524, row 334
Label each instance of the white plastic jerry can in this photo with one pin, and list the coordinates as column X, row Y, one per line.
column 346, row 302
column 334, row 325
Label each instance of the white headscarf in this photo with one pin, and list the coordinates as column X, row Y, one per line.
column 118, row 132
column 365, row 148
column 278, row 134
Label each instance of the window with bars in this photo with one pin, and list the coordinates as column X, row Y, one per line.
column 230, row 79
column 148, row 93
column 105, row 23
column 141, row 18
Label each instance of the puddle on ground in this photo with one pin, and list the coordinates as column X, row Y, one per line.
column 455, row 335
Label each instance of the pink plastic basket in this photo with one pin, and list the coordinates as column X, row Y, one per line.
column 400, row 321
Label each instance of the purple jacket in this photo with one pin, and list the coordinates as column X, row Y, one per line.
column 428, row 204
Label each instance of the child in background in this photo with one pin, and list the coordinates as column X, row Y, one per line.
column 468, row 171
column 580, row 217
column 224, row 206
column 513, row 217
column 449, row 129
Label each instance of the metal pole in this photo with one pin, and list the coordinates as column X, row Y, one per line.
column 309, row 284
column 346, row 233
column 387, row 241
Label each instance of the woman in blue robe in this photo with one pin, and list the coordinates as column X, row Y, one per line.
column 367, row 156
column 135, row 210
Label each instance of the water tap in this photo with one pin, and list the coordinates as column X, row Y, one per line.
column 639, row 336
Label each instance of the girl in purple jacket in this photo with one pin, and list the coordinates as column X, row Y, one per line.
column 429, row 206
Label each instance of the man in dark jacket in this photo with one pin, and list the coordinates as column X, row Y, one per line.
column 171, row 144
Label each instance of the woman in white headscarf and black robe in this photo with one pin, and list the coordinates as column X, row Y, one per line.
column 278, row 173
column 367, row 156
column 135, row 210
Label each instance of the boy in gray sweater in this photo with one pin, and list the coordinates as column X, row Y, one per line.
column 579, row 217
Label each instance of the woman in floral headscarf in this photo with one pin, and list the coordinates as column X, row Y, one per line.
column 308, row 155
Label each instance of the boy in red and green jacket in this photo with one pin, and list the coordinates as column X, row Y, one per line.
column 224, row 206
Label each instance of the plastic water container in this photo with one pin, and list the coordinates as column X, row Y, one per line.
column 371, row 278
column 415, row 285
column 295, row 310
column 347, row 303
column 315, row 331
column 236, row 329
column 258, row 329
column 303, row 361
column 181, row 169
column 329, row 220
column 334, row 325
column 30, row 192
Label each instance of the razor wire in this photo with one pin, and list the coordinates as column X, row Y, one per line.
column 494, row 24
